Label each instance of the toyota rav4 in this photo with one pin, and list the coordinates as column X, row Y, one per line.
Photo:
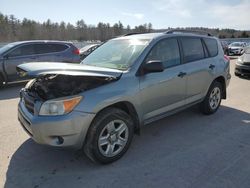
column 124, row 84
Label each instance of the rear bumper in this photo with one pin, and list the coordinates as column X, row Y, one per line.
column 242, row 69
column 60, row 131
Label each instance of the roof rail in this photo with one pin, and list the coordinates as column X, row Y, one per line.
column 187, row 31
column 134, row 33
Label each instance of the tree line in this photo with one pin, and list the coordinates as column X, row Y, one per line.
column 14, row 29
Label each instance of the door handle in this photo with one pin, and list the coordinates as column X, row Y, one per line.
column 211, row 66
column 182, row 74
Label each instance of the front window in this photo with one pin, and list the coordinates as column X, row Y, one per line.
column 116, row 54
column 6, row 48
column 166, row 51
column 22, row 51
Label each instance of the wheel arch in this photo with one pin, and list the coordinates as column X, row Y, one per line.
column 129, row 108
column 222, row 81
column 2, row 77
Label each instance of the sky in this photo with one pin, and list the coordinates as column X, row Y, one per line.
column 161, row 13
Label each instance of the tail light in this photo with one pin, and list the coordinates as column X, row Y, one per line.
column 226, row 58
column 76, row 51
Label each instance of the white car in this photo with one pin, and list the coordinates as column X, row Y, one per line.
column 242, row 66
column 236, row 48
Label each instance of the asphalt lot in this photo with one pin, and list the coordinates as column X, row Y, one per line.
column 185, row 150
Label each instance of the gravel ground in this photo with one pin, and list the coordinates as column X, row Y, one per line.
column 187, row 149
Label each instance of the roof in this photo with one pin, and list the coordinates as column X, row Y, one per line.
column 39, row 41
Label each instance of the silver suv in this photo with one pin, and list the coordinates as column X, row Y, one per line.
column 126, row 83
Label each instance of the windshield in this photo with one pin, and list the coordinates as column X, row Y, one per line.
column 6, row 48
column 116, row 54
column 237, row 44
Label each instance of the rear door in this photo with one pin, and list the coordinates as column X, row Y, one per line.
column 163, row 91
column 19, row 55
column 197, row 67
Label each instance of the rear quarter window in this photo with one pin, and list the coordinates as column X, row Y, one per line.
column 192, row 49
column 212, row 46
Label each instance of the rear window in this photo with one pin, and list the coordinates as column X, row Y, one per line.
column 211, row 46
column 49, row 48
column 192, row 49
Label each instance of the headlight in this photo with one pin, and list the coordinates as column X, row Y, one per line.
column 59, row 107
column 240, row 60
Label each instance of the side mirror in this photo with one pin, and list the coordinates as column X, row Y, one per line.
column 153, row 66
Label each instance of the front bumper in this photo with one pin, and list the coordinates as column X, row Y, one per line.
column 236, row 52
column 67, row 130
column 242, row 69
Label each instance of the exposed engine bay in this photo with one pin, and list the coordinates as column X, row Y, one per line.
column 54, row 86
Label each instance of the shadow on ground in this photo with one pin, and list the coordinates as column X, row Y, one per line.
column 244, row 77
column 233, row 57
column 11, row 91
column 185, row 150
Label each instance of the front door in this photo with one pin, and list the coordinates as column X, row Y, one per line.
column 20, row 55
column 164, row 91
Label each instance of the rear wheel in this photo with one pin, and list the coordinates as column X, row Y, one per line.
column 109, row 136
column 212, row 100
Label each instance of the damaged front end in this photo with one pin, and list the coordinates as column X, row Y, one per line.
column 47, row 90
column 49, row 87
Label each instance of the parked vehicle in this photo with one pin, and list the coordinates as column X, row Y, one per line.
column 242, row 66
column 127, row 82
column 224, row 45
column 236, row 48
column 14, row 54
column 86, row 50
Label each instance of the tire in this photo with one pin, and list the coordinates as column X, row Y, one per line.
column 212, row 101
column 105, row 141
column 237, row 74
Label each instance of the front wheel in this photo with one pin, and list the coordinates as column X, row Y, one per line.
column 237, row 74
column 212, row 101
column 109, row 136
column 1, row 81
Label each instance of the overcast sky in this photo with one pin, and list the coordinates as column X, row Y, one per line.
column 161, row 13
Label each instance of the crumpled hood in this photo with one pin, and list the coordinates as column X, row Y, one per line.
column 44, row 68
